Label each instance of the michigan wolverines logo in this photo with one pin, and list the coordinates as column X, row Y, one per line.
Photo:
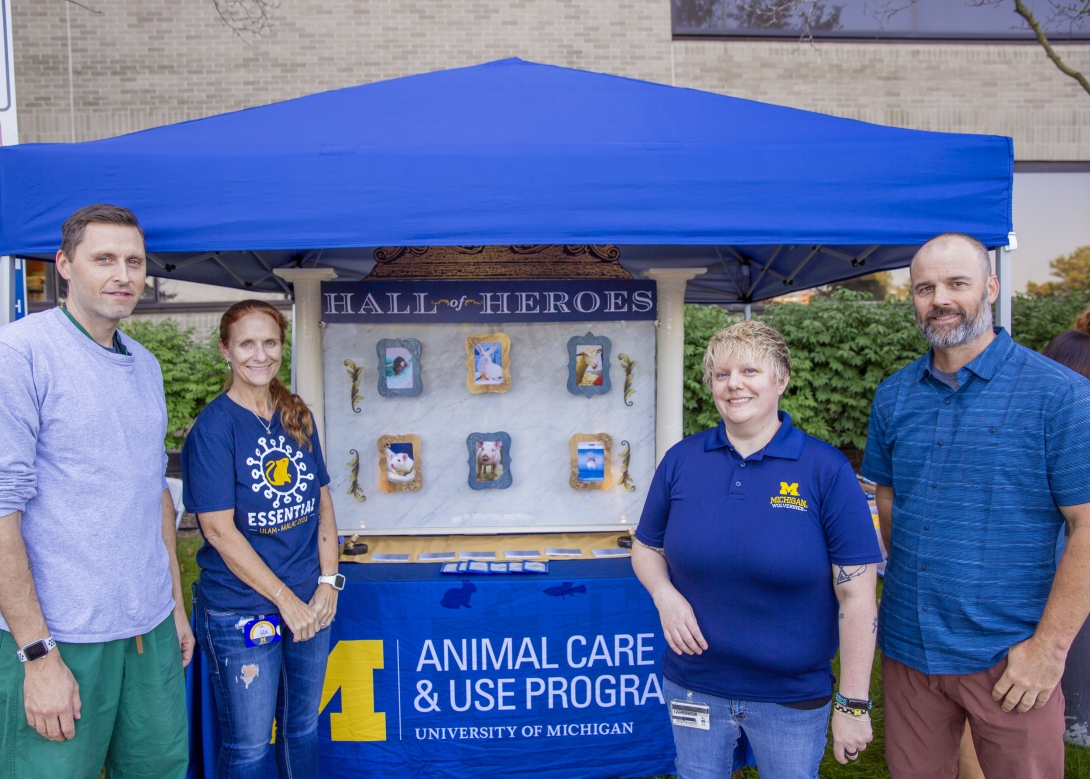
column 279, row 470
column 789, row 497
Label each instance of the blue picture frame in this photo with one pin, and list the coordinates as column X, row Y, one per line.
column 482, row 475
column 399, row 377
column 579, row 382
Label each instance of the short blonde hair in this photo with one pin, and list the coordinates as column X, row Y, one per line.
column 753, row 340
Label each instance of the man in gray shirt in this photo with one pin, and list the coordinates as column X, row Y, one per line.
column 93, row 631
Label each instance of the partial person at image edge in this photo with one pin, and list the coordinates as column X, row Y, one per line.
column 757, row 545
column 981, row 452
column 90, row 592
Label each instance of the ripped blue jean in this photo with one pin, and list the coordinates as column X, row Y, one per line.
column 254, row 684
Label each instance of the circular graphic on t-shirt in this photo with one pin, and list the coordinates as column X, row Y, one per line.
column 279, row 470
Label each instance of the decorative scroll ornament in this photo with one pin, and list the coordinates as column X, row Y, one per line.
column 354, row 375
column 626, row 477
column 629, row 374
column 354, row 488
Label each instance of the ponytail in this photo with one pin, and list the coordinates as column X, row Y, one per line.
column 294, row 414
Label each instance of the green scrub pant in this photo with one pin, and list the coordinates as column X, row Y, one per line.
column 132, row 718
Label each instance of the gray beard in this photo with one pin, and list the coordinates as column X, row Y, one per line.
column 970, row 328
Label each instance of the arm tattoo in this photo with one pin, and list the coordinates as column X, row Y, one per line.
column 845, row 574
column 657, row 549
column 874, row 627
column 842, row 615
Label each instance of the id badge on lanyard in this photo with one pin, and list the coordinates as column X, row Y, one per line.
column 263, row 630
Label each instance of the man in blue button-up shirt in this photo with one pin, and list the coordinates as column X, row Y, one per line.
column 981, row 450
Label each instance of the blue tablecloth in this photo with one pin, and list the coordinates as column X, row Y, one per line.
column 553, row 676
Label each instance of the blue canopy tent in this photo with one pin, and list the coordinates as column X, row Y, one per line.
column 510, row 153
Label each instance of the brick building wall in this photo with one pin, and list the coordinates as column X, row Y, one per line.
column 142, row 63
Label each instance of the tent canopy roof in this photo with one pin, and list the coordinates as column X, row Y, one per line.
column 512, row 152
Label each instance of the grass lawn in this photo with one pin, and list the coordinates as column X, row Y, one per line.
column 187, row 562
column 870, row 765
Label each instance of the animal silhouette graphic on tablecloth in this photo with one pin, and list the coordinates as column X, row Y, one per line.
column 566, row 589
column 456, row 597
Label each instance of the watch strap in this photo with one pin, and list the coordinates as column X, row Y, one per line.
column 332, row 580
column 49, row 643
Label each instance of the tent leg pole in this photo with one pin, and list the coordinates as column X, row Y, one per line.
column 749, row 311
column 670, row 375
column 307, row 339
column 1005, row 303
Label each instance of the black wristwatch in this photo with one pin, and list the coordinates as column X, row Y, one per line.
column 36, row 650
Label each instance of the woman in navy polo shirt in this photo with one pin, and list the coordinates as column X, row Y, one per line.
column 759, row 550
column 255, row 478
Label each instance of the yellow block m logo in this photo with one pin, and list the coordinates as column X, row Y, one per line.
column 351, row 669
column 789, row 489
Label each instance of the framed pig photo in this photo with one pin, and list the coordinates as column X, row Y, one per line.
column 399, row 463
column 488, row 363
column 588, row 365
column 489, row 461
column 399, row 368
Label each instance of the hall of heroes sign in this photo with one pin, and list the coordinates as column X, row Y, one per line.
column 451, row 302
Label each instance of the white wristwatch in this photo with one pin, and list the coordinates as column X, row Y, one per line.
column 336, row 581
column 36, row 650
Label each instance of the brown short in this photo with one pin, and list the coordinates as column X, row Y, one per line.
column 925, row 716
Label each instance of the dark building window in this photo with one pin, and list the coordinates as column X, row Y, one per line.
column 877, row 19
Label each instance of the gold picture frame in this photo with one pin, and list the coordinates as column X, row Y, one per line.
column 481, row 369
column 583, row 477
column 392, row 475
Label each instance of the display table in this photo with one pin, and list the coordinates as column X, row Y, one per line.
column 552, row 676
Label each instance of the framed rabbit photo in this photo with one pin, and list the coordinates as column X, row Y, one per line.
column 488, row 363
column 399, row 463
column 489, row 461
column 399, row 368
column 588, row 365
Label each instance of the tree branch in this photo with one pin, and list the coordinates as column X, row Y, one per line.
column 1025, row 13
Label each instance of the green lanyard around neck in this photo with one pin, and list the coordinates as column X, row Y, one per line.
column 118, row 347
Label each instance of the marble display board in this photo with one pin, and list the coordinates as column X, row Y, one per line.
column 538, row 412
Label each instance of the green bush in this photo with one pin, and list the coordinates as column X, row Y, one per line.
column 193, row 372
column 842, row 347
column 1035, row 319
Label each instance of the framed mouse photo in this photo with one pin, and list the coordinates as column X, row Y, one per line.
column 399, row 463
column 489, row 461
column 399, row 368
column 488, row 363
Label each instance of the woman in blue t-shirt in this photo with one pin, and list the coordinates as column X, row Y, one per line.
column 759, row 550
column 255, row 478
